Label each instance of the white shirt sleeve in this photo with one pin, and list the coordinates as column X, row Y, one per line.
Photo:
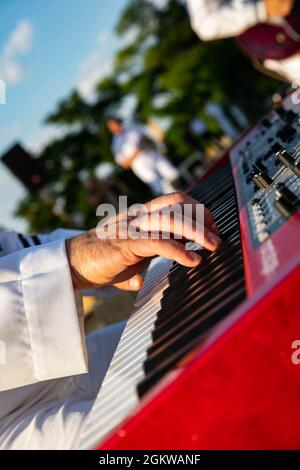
column 212, row 20
column 41, row 317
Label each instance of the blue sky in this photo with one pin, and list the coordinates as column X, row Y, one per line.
column 47, row 48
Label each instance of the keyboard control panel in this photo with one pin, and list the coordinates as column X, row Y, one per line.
column 267, row 162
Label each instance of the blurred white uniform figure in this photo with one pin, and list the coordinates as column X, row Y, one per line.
column 217, row 19
column 50, row 374
column 148, row 165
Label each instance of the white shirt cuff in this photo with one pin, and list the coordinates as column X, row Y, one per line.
column 53, row 311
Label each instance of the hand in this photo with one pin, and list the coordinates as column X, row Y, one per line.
column 279, row 7
column 96, row 262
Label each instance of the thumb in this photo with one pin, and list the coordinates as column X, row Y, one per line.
column 132, row 284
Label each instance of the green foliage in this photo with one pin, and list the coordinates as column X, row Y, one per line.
column 164, row 62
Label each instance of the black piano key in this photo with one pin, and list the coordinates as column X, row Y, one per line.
column 173, row 300
column 174, row 357
column 202, row 324
column 145, row 385
column 213, row 201
column 221, row 181
column 223, row 224
column 209, row 270
column 226, row 211
column 204, row 289
column 198, row 298
column 184, row 280
column 182, row 277
column 189, row 314
column 208, row 257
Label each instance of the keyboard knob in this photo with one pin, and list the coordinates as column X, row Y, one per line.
column 288, row 160
column 296, row 169
column 285, row 157
column 284, row 207
column 284, row 191
column 262, row 180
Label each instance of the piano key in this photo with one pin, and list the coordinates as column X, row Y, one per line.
column 206, row 286
column 175, row 311
column 174, row 356
column 189, row 315
column 206, row 275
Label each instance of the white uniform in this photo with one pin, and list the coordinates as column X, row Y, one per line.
column 215, row 19
column 46, row 391
column 149, row 166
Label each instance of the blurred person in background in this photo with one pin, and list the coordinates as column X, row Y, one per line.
column 133, row 149
column 268, row 30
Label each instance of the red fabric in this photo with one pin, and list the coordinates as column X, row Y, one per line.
column 261, row 41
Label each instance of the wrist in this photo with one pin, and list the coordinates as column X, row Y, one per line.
column 78, row 281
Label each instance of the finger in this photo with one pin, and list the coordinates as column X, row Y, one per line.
column 198, row 212
column 209, row 220
column 132, row 284
column 169, row 249
column 164, row 224
column 182, row 198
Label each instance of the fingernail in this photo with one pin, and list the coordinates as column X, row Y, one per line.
column 194, row 256
column 216, row 241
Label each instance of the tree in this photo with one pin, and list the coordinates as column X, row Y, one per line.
column 170, row 73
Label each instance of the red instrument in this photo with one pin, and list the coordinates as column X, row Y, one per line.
column 220, row 369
